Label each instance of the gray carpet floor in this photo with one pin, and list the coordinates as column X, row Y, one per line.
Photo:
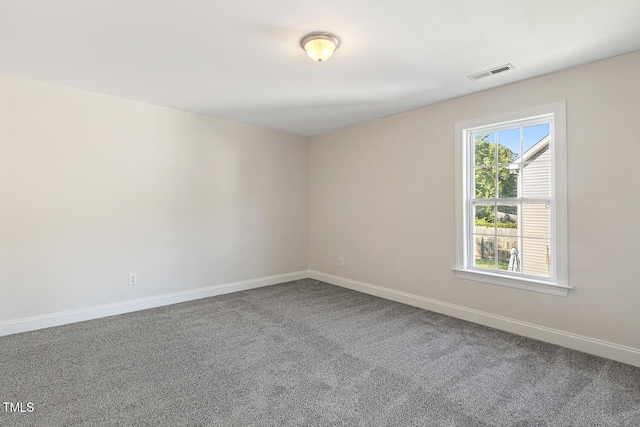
column 305, row 353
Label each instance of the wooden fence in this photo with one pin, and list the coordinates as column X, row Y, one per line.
column 534, row 254
column 486, row 246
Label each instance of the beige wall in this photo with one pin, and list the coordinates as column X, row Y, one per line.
column 94, row 187
column 382, row 196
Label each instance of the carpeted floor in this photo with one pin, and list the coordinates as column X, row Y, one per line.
column 304, row 353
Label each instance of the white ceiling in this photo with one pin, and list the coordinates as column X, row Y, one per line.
column 240, row 59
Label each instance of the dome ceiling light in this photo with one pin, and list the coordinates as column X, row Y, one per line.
column 319, row 45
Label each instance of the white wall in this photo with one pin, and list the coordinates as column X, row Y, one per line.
column 382, row 196
column 94, row 187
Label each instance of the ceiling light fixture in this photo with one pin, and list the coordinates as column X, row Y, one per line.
column 319, row 46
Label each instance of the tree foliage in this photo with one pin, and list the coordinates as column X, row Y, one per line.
column 485, row 178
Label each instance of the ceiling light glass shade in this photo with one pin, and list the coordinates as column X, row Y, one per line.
column 320, row 46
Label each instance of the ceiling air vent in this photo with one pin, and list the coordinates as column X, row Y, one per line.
column 491, row 72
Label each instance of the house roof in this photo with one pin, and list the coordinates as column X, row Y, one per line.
column 535, row 149
column 531, row 152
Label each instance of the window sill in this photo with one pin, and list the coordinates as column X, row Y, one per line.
column 512, row 282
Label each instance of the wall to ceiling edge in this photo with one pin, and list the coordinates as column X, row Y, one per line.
column 382, row 197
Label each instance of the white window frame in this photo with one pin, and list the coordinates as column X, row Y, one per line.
column 558, row 283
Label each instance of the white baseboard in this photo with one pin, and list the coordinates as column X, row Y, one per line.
column 71, row 316
column 605, row 349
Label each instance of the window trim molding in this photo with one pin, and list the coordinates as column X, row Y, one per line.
column 559, row 177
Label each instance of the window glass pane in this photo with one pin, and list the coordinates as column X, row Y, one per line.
column 485, row 252
column 508, row 181
column 536, row 257
column 531, row 135
column 484, row 219
column 485, row 149
column 508, row 145
column 485, row 182
column 536, row 220
column 507, row 224
column 508, row 254
column 536, row 176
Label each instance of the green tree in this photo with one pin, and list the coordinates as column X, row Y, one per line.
column 485, row 178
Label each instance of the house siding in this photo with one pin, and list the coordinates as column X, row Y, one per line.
column 536, row 227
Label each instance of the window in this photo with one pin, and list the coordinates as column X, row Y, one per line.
column 511, row 199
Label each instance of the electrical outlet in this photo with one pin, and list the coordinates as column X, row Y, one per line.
column 340, row 262
column 133, row 279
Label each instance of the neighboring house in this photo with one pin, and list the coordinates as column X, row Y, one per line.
column 536, row 180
